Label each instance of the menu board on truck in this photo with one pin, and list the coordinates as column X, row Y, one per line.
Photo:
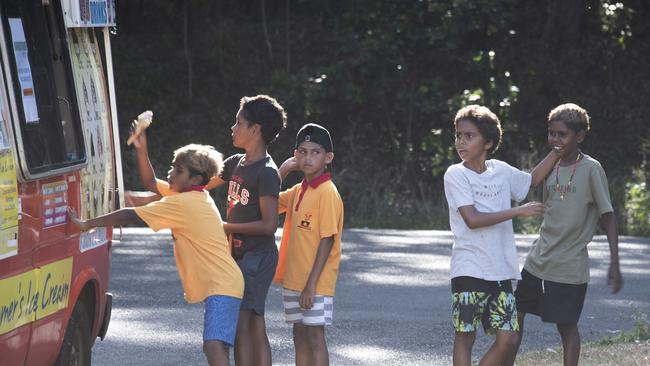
column 8, row 195
column 24, row 70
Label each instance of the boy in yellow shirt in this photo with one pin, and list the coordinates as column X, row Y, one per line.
column 311, row 244
column 207, row 271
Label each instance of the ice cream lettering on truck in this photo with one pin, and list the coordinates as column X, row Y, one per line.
column 58, row 147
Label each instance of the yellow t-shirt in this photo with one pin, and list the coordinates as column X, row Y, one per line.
column 319, row 215
column 204, row 263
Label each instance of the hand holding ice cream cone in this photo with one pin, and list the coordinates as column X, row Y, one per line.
column 139, row 125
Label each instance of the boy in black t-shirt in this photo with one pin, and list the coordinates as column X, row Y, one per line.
column 252, row 218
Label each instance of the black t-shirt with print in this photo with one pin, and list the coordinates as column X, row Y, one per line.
column 246, row 184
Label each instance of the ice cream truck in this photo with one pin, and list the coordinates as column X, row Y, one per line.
column 59, row 148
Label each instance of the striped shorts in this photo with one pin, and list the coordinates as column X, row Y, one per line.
column 319, row 314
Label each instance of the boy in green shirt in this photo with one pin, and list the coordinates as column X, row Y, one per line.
column 576, row 197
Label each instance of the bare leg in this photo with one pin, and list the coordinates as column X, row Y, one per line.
column 243, row 342
column 512, row 355
column 504, row 344
column 217, row 353
column 262, row 347
column 570, row 343
column 463, row 342
column 301, row 344
column 318, row 345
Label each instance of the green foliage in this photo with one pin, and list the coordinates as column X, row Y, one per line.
column 389, row 220
column 639, row 333
column 387, row 77
column 527, row 225
column 637, row 208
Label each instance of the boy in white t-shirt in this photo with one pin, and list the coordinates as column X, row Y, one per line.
column 484, row 257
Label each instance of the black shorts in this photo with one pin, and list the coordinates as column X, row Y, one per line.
column 258, row 269
column 554, row 302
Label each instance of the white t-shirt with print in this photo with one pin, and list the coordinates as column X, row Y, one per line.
column 489, row 252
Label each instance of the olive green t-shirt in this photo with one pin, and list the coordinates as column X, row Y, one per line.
column 560, row 252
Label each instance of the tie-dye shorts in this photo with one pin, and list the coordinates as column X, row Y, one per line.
column 490, row 303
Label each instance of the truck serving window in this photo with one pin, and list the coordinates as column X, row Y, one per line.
column 43, row 84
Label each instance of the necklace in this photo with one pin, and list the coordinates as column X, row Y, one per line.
column 566, row 189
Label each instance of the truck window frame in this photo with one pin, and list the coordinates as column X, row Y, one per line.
column 55, row 144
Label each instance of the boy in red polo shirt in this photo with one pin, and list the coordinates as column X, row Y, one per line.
column 310, row 250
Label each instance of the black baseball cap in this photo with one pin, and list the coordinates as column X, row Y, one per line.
column 315, row 133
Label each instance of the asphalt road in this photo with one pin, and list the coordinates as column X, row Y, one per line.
column 392, row 304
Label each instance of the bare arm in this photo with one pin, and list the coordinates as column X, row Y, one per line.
column 475, row 219
column 288, row 166
column 266, row 226
column 116, row 218
column 214, row 182
column 307, row 296
column 135, row 199
column 544, row 168
column 147, row 175
column 614, row 277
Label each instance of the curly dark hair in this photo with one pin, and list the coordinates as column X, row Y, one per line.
column 266, row 112
column 575, row 117
column 485, row 120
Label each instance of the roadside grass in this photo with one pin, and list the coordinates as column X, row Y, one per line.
column 617, row 354
column 626, row 348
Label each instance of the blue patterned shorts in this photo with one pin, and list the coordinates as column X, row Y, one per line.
column 476, row 302
column 220, row 319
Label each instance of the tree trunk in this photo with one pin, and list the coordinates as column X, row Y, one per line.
column 287, row 33
column 188, row 57
column 266, row 31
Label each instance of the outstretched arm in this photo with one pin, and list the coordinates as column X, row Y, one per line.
column 544, row 168
column 136, row 198
column 475, row 219
column 614, row 277
column 307, row 296
column 266, row 226
column 147, row 175
column 116, row 218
